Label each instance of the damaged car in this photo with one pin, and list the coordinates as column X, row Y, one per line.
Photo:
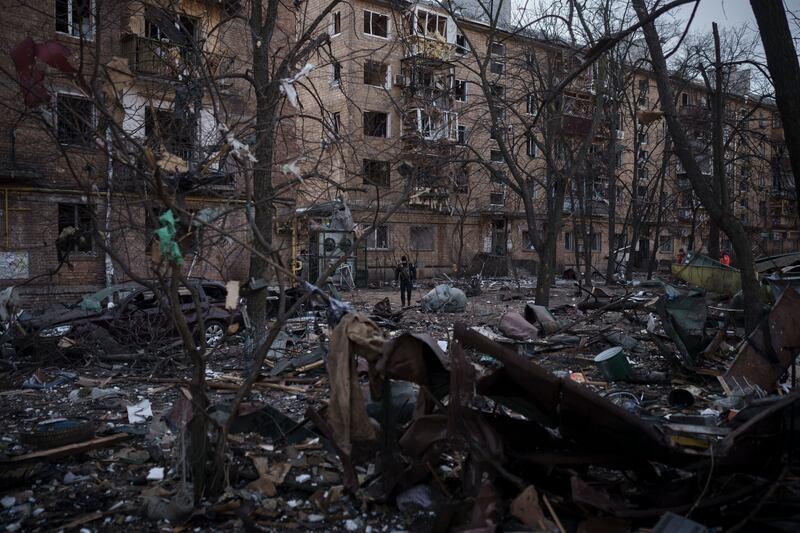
column 127, row 314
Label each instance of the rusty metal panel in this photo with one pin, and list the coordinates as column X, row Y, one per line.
column 770, row 349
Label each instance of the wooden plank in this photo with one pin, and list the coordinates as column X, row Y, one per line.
column 70, row 449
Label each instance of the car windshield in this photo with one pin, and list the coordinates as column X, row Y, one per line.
column 100, row 300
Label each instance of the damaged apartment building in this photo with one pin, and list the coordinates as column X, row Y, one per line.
column 80, row 198
column 410, row 93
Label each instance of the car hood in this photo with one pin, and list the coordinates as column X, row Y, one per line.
column 54, row 316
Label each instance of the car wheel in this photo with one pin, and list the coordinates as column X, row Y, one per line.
column 214, row 333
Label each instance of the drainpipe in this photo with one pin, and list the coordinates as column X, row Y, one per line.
column 109, row 191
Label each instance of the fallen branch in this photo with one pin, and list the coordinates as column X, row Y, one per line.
column 591, row 316
column 70, row 449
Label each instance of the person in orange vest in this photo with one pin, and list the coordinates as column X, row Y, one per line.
column 725, row 259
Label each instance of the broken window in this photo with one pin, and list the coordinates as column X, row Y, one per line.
column 497, row 198
column 162, row 26
column 497, row 91
column 497, row 49
column 336, row 72
column 75, row 119
column 496, row 67
column 163, row 129
column 337, row 23
column 421, row 237
column 499, row 237
column 376, row 24
column 460, row 90
column 461, row 43
column 375, row 73
column 376, row 124
column 215, row 293
column 527, row 243
column 461, row 135
column 665, row 243
column 376, row 172
column 496, row 156
column 461, row 181
column 378, row 239
column 431, row 24
column 75, row 227
column 74, row 17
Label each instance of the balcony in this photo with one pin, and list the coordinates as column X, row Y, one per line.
column 694, row 114
column 162, row 59
column 433, row 131
column 429, row 51
column 576, row 125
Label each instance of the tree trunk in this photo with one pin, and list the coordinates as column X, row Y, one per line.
column 785, row 71
column 718, row 144
column 719, row 213
column 611, row 171
column 267, row 98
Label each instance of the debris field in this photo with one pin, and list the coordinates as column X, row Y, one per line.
column 638, row 407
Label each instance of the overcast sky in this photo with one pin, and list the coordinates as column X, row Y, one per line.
column 727, row 13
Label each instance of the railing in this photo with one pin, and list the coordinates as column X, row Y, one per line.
column 419, row 46
column 163, row 59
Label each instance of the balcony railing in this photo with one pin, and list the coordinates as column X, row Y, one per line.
column 435, row 50
column 163, row 59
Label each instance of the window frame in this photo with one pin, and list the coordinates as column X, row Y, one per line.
column 371, row 14
column 372, row 238
column 569, row 240
column 530, row 144
column 382, row 67
column 530, row 104
column 387, row 131
column 497, row 49
column 428, row 16
column 500, row 70
column 75, row 208
column 87, row 143
column 414, row 247
column 70, row 23
column 461, row 135
column 460, row 83
column 367, row 176
column 336, row 23
column 461, row 48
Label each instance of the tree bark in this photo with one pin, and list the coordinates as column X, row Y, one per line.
column 720, row 214
column 267, row 101
column 611, row 171
column 785, row 71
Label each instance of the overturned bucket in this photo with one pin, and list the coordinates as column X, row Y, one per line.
column 614, row 364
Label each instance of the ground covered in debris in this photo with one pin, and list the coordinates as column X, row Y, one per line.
column 506, row 420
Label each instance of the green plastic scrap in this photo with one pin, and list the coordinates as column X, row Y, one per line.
column 166, row 238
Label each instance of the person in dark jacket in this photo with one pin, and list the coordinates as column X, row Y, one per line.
column 405, row 273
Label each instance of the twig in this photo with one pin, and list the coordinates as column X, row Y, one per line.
column 591, row 315
column 553, row 514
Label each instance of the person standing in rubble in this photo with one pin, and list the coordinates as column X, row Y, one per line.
column 405, row 273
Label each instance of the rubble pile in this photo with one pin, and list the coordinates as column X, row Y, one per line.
column 628, row 408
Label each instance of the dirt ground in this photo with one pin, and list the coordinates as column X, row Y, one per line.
column 120, row 485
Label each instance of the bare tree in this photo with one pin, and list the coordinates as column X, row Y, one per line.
column 683, row 149
column 785, row 72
